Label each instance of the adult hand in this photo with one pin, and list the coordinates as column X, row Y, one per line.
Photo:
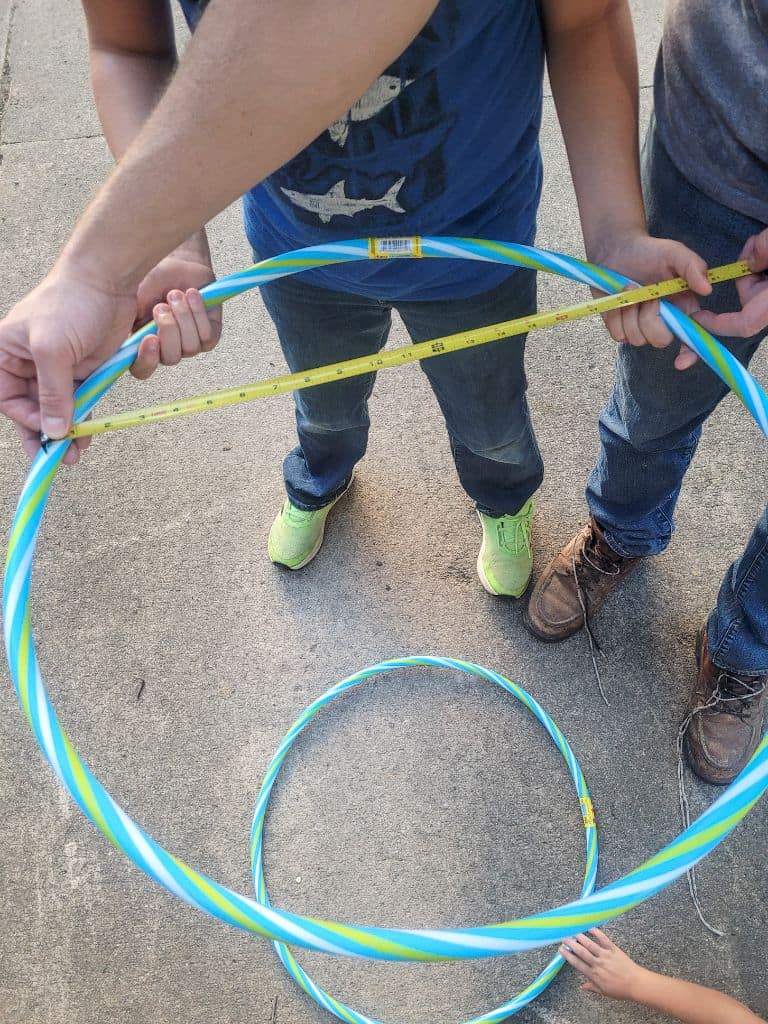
column 648, row 260
column 169, row 295
column 608, row 970
column 753, row 295
column 51, row 340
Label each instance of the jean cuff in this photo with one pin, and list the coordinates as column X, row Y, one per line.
column 317, row 503
column 719, row 651
column 636, row 549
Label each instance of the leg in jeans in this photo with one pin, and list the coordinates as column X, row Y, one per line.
column 651, row 425
column 481, row 392
column 318, row 326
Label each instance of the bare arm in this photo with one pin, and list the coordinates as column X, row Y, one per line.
column 689, row 1003
column 593, row 70
column 132, row 51
column 259, row 81
column 132, row 55
column 610, row 972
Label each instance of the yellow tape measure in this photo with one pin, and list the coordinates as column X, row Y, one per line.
column 397, row 356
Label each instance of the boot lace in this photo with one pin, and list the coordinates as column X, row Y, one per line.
column 587, row 565
column 735, row 695
column 732, row 695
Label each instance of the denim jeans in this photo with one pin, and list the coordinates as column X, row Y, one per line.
column 481, row 391
column 651, row 425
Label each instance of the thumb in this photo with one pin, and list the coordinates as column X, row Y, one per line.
column 55, row 384
column 588, row 987
column 685, row 358
column 756, row 252
column 694, row 269
column 147, row 358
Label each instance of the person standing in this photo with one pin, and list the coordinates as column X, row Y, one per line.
column 705, row 176
column 353, row 120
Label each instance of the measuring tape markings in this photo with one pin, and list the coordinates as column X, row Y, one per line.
column 241, row 911
column 392, row 357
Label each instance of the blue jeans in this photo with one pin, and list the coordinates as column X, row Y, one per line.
column 481, row 391
column 651, row 425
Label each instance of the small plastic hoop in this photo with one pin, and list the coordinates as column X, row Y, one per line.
column 299, row 975
column 537, row 930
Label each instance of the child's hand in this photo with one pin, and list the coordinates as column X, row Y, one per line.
column 647, row 260
column 169, row 295
column 607, row 969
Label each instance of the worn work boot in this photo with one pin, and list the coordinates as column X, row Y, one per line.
column 725, row 719
column 297, row 535
column 575, row 584
column 505, row 561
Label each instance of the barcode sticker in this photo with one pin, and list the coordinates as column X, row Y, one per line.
column 389, row 248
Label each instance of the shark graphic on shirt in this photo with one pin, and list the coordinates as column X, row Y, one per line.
column 336, row 203
column 384, row 90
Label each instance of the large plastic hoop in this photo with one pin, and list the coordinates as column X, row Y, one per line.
column 242, row 911
column 287, row 959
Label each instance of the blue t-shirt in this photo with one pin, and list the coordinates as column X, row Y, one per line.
column 445, row 142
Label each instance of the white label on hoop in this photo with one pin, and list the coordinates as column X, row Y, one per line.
column 387, row 248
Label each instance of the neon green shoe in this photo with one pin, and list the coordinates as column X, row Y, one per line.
column 505, row 562
column 296, row 536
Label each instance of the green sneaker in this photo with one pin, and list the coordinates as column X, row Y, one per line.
column 296, row 536
column 505, row 562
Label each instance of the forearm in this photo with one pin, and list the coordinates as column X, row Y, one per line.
column 291, row 68
column 593, row 70
column 126, row 89
column 689, row 1003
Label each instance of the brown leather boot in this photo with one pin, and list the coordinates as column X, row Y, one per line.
column 575, row 584
column 725, row 719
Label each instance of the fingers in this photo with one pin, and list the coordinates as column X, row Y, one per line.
column 54, row 364
column 24, row 411
column 30, row 439
column 147, row 358
column 750, row 320
column 601, row 938
column 187, row 324
column 569, row 954
column 184, row 329
column 652, row 327
column 588, row 945
column 614, row 325
column 168, row 334
column 755, row 252
column 208, row 322
column 694, row 269
column 642, row 325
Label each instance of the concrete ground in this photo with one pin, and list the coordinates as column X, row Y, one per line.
column 425, row 799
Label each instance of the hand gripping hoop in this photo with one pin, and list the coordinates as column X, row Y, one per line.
column 545, row 928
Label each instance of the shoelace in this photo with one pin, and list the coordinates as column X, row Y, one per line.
column 607, row 570
column 736, row 704
column 297, row 516
column 520, row 541
column 590, row 548
column 724, row 700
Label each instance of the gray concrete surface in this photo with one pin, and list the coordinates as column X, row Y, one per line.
column 420, row 800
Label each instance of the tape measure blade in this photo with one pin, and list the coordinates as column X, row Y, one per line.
column 404, row 354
